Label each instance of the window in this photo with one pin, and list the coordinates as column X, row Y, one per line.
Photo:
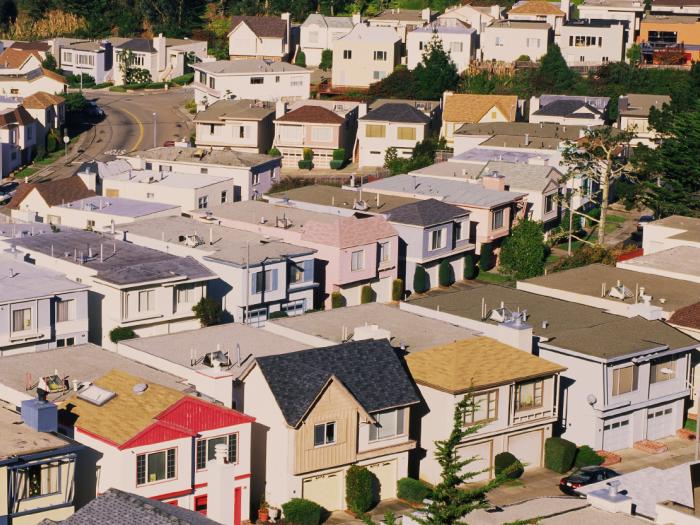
column 39, row 480
column 86, row 60
column 165, row 168
column 666, row 37
column 212, row 129
column 528, row 395
column 255, row 180
column 456, row 47
column 202, row 202
column 68, row 57
column 624, row 380
column 437, row 239
column 485, row 408
column 186, row 293
column 202, row 77
column 206, row 449
column 324, row 434
column 605, row 60
column 659, row 366
column 532, row 42
column 264, row 281
column 296, row 81
column 406, row 133
column 389, row 424
column 461, row 230
column 383, row 251
column 499, row 41
column 257, row 80
column 321, row 134
column 378, row 75
column 497, row 220
column 291, row 133
column 147, row 300
column 150, row 195
column 224, row 196
column 149, row 166
column 138, row 60
column 347, row 54
column 277, row 79
column 212, row 82
column 421, row 45
column 293, row 308
column 241, row 132
column 65, row 310
column 155, row 466
column 21, row 320
column 380, row 55
column 90, row 224
column 302, row 272
column 358, row 260
column 375, row 131
column 549, row 203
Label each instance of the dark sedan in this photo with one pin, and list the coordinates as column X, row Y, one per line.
column 585, row 476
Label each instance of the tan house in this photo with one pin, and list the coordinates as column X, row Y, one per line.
column 509, row 40
column 460, row 109
column 321, row 410
column 261, row 37
column 633, row 115
column 49, row 111
column 540, row 11
column 403, row 21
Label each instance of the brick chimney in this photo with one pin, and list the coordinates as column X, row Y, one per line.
column 493, row 181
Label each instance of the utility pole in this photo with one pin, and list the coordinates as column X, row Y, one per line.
column 571, row 220
column 154, row 129
column 247, row 283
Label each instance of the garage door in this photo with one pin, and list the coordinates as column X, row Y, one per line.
column 326, row 490
column 527, row 448
column 617, row 435
column 660, row 423
column 483, row 453
column 386, row 474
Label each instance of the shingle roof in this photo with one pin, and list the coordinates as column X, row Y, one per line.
column 41, row 100
column 54, row 192
column 262, row 26
column 53, row 75
column 569, row 109
column 536, row 7
column 687, row 317
column 124, row 508
column 470, row 108
column 19, row 115
column 312, row 114
column 370, row 370
column 13, row 58
column 38, row 46
column 426, row 212
column 397, row 112
column 142, row 45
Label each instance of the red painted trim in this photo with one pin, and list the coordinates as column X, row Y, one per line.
column 200, row 485
column 242, row 476
column 99, row 438
column 173, row 494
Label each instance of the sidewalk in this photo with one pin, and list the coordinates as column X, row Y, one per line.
column 377, row 513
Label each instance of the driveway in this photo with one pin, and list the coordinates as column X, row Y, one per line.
column 377, row 513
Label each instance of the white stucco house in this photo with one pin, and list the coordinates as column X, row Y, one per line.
column 592, row 42
column 478, row 17
column 508, row 40
column 569, row 110
column 633, row 115
column 318, row 32
column 458, row 39
column 238, row 124
column 260, row 37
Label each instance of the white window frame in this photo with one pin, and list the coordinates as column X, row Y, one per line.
column 326, row 441
column 357, row 261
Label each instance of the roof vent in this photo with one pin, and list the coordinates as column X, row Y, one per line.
column 193, row 241
column 139, row 388
column 620, row 292
column 360, row 205
column 96, row 395
column 217, row 359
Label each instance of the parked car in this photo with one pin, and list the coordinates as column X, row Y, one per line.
column 94, row 110
column 585, row 476
column 644, row 219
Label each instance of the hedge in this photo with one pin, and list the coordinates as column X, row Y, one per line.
column 445, row 274
column 559, row 454
column 103, row 85
column 337, row 300
column 337, row 164
column 358, row 489
column 397, row 290
column 143, row 85
column 121, row 333
column 305, row 164
column 183, row 80
column 278, row 314
column 300, row 511
column 339, row 154
column 586, row 457
column 413, row 490
column 486, row 261
column 469, row 267
column 366, row 294
column 420, row 280
column 274, row 152
column 505, row 461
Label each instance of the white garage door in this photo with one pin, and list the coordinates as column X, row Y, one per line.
column 527, row 448
column 617, row 435
column 326, row 490
column 483, row 453
column 660, row 423
column 386, row 474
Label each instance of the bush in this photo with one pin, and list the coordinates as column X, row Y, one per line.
column 40, row 152
column 305, row 164
column 300, row 60
column 307, row 154
column 337, row 164
column 583, row 257
column 121, row 333
column 366, row 294
column 586, row 456
column 524, row 252
column 337, row 300
column 183, row 80
column 469, row 267
column 559, row 454
column 190, row 106
column 359, row 485
column 51, row 142
column 207, row 311
column 413, row 490
column 298, row 511
column 486, row 259
column 397, row 290
column 103, row 85
column 420, row 280
column 592, row 214
column 74, row 81
column 339, row 154
column 326, row 59
column 505, row 461
column 445, row 273
column 278, row 314
column 274, row 152
column 523, row 58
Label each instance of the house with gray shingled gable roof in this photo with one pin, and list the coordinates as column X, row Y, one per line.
column 263, row 37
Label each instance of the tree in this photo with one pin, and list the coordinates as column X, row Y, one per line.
column 445, row 273
column 207, row 311
column 634, row 54
column 596, row 161
column 400, row 84
column 75, row 102
column 523, row 253
column 553, row 75
column 469, row 267
column 436, row 73
column 486, row 261
column 300, row 59
column 420, row 280
column 49, row 62
column 326, row 60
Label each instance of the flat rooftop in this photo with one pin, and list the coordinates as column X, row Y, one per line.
column 450, row 169
column 483, row 154
column 683, row 260
column 253, row 212
column 180, row 348
column 217, row 157
column 414, row 331
column 690, row 225
column 540, row 130
column 403, row 15
column 120, row 207
column 519, row 24
column 224, row 244
column 20, row 280
column 170, row 179
column 253, row 65
column 242, row 109
column 582, row 329
column 17, row 439
column 670, row 19
column 342, row 198
column 639, row 105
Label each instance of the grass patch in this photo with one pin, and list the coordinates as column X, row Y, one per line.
column 118, row 89
column 493, row 278
column 690, row 424
column 37, row 165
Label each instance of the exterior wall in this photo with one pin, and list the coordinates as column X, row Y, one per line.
column 609, row 48
column 514, row 42
column 257, row 135
column 475, row 18
column 685, row 33
column 373, row 150
column 631, row 16
column 243, row 43
column 77, row 218
column 19, row 87
column 16, row 142
column 362, row 69
column 595, row 121
column 292, row 152
column 417, row 41
column 70, row 63
column 658, row 237
column 314, row 38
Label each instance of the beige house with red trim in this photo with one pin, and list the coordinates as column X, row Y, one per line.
column 459, row 109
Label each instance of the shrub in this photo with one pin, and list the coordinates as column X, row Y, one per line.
column 118, row 89
column 366, row 294
column 337, row 300
column 507, row 462
column 523, row 58
column 298, row 511
column 307, row 154
column 51, row 142
column 103, row 85
column 274, row 152
column 486, row 258
column 190, row 106
column 278, row 314
column 337, row 164
column 586, row 456
column 592, row 214
column 469, row 266
column 120, row 333
column 420, row 280
column 207, row 311
column 40, row 152
column 326, row 59
column 305, row 164
column 413, row 490
column 524, row 252
column 583, row 257
column 183, row 80
column 559, row 454
column 359, row 485
column 300, row 60
column 445, row 273
column 339, row 154
column 397, row 290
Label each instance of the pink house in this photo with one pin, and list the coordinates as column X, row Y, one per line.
column 351, row 253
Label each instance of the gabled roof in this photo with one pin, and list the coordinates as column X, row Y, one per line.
column 262, row 26
column 41, row 100
column 53, row 75
column 397, row 112
column 19, row 115
column 536, row 7
column 471, row 109
column 328, row 21
column 370, row 370
column 13, row 58
column 54, row 192
column 568, row 109
column 687, row 317
column 428, row 212
column 346, row 232
column 312, row 114
column 365, row 33
column 27, row 46
column 142, row 45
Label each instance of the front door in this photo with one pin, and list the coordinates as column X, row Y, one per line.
column 237, row 506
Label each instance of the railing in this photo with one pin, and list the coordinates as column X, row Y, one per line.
column 525, row 417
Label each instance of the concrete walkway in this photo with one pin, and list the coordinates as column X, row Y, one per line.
column 399, row 508
column 537, row 508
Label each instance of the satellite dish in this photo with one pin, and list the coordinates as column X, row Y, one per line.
column 592, row 400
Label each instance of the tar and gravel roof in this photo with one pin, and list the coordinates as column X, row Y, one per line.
column 689, row 226
column 540, row 130
column 17, row 439
column 249, row 66
column 239, row 109
column 20, row 280
column 342, row 198
column 679, row 260
column 639, row 105
column 237, row 159
column 119, row 206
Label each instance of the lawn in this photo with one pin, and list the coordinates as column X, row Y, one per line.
column 493, row 278
column 37, row 165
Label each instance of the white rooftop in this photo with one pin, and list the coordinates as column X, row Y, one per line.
column 680, row 262
column 172, row 179
column 248, row 66
column 119, row 206
column 20, row 280
column 364, row 33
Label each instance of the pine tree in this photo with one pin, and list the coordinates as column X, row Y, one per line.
column 553, row 75
column 436, row 72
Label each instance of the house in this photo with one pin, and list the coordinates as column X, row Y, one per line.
column 541, row 11
column 133, row 287
column 569, row 110
column 318, row 32
column 319, row 125
column 679, row 262
column 19, row 135
column 255, row 273
column 629, row 11
column 633, row 115
column 430, row 108
column 48, row 110
column 39, row 308
column 670, row 232
column 160, row 443
column 592, row 42
column 260, row 37
column 19, row 61
column 676, row 6
column 625, row 378
column 36, row 46
column 458, row 39
column 392, row 125
column 459, row 109
column 366, row 55
column 353, row 252
column 515, row 395
column 403, row 21
column 660, row 35
column 24, row 84
column 253, row 79
column 512, row 40
column 240, row 125
column 478, row 17
column 40, row 197
column 87, row 57
column 37, row 467
column 339, row 414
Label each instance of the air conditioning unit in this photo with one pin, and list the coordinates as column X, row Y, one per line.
column 193, row 241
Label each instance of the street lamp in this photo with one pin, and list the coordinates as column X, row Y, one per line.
column 155, row 123
column 66, row 140
column 669, row 372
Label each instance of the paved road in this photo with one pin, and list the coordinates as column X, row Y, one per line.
column 128, row 126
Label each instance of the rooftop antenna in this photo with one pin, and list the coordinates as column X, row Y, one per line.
column 51, row 250
column 102, row 255
column 238, row 354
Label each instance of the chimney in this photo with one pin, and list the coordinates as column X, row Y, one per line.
column 566, row 7
column 220, row 487
column 356, row 19
column 288, row 20
column 516, row 333
column 40, row 415
column 280, row 108
column 493, row 181
column 496, row 12
column 159, row 45
column 425, row 14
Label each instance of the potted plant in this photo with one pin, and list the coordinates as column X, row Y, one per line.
column 264, row 511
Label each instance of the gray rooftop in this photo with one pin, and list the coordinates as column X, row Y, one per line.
column 413, row 331
column 446, row 26
column 684, row 260
column 522, row 176
column 456, row 170
column 600, row 103
column 637, row 105
column 426, row 106
column 426, row 212
column 20, row 280
column 253, row 212
column 690, row 227
column 457, row 192
column 483, row 154
column 119, row 206
column 248, row 66
column 582, row 329
column 519, row 24
column 17, row 439
column 172, row 179
column 228, row 245
column 403, row 15
column 335, row 197
column 218, row 157
column 568, row 109
column 239, row 109
column 122, row 263
column 344, row 22
column 92, row 46
column 539, row 130
column 397, row 112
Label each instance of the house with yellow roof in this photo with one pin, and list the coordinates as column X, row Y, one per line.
column 552, row 13
column 467, row 108
column 515, row 395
